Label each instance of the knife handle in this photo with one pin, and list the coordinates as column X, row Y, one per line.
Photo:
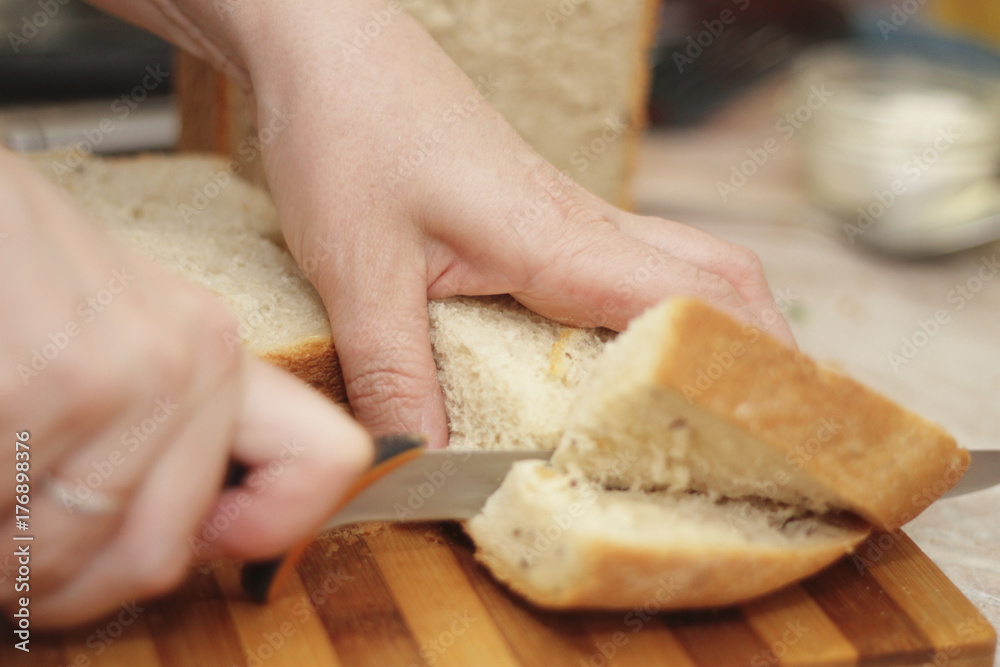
column 261, row 578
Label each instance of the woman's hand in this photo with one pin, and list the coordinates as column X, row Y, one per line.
column 120, row 373
column 480, row 213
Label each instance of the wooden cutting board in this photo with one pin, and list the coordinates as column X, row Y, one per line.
column 386, row 595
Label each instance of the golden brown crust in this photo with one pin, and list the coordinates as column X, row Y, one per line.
column 613, row 575
column 637, row 105
column 313, row 360
column 886, row 463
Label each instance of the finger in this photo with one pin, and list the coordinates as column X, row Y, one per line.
column 600, row 277
column 738, row 265
column 378, row 314
column 149, row 553
column 303, row 453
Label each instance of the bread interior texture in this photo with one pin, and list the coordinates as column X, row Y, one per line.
column 626, row 430
column 647, row 489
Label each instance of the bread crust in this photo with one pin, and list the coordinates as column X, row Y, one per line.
column 313, row 360
column 746, row 377
column 613, row 575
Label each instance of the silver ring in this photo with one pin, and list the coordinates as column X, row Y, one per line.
column 92, row 503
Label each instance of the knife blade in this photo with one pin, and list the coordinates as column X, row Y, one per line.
column 982, row 473
column 405, row 483
column 410, row 483
column 437, row 485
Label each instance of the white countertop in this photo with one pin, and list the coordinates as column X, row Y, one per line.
column 855, row 309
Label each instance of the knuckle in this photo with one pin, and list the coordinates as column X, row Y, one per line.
column 716, row 289
column 377, row 392
column 376, row 384
column 744, row 265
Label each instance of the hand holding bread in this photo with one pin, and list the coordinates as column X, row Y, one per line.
column 482, row 214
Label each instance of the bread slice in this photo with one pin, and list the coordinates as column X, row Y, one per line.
column 563, row 540
column 692, row 451
column 188, row 213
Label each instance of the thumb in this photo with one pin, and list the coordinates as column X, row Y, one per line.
column 378, row 315
column 302, row 453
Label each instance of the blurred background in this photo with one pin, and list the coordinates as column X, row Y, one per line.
column 902, row 69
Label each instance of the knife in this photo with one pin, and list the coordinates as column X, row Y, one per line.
column 410, row 483
column 406, row 482
column 982, row 473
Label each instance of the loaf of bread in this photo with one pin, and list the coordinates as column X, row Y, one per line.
column 697, row 459
column 572, row 77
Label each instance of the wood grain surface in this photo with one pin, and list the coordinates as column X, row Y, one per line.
column 413, row 595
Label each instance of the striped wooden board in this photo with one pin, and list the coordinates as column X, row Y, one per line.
column 413, row 595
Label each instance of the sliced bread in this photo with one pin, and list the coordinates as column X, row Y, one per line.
column 692, row 450
column 706, row 452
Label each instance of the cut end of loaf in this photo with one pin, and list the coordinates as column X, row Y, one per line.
column 707, row 403
column 700, row 449
column 565, row 541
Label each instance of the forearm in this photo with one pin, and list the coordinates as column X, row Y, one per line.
column 249, row 39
